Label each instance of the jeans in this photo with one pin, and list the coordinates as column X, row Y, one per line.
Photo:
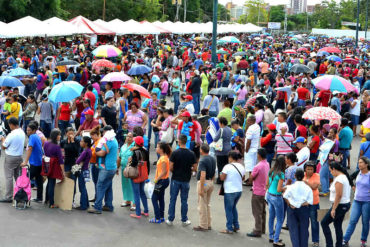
column 175, row 188
column 276, row 209
column 63, row 125
column 104, row 189
column 84, row 199
column 156, row 138
column 358, row 209
column 230, row 201
column 150, row 130
column 94, row 175
column 50, row 190
column 46, row 128
column 176, row 101
column 345, row 153
column 238, row 102
column 301, row 102
column 213, row 113
column 35, row 172
column 314, row 156
column 340, row 212
column 298, row 225
column 138, row 189
column 25, row 124
column 315, row 227
column 269, row 157
column 324, row 177
column 196, row 102
column 158, row 199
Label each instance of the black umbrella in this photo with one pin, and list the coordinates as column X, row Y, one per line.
column 300, row 68
column 149, row 51
column 67, row 62
column 239, row 53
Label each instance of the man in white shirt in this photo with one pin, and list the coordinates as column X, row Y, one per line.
column 298, row 196
column 303, row 154
column 252, row 140
column 14, row 146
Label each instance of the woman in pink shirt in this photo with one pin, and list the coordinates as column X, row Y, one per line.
column 241, row 93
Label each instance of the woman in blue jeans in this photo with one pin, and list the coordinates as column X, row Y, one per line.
column 340, row 197
column 361, row 203
column 232, row 176
column 140, row 155
column 161, row 181
column 274, row 199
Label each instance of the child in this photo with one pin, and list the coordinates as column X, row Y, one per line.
column 108, row 136
column 122, row 133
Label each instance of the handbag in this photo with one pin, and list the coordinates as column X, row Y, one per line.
column 219, row 144
column 130, row 171
column 45, row 167
column 167, row 136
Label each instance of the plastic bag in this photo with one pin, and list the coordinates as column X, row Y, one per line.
column 148, row 189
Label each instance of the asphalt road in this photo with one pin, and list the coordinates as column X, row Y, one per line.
column 41, row 226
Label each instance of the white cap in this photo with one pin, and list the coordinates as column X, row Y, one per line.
column 251, row 58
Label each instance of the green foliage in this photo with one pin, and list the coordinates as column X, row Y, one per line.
column 277, row 13
column 256, row 11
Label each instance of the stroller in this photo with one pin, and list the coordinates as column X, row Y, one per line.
column 22, row 190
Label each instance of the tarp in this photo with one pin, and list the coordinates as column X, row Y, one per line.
column 85, row 26
column 25, row 27
column 338, row 33
column 59, row 27
column 117, row 26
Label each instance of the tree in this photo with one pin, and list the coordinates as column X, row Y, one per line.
column 277, row 13
column 256, row 11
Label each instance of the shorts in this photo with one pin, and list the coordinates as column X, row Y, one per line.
column 355, row 120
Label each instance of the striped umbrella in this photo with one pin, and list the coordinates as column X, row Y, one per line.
column 107, row 51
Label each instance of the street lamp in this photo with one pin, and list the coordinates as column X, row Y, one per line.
column 214, row 33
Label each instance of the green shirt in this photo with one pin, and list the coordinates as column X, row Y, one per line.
column 273, row 184
column 176, row 83
column 226, row 113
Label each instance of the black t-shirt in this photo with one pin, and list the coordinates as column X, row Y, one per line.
column 207, row 163
column 183, row 159
column 71, row 151
column 155, row 129
column 110, row 116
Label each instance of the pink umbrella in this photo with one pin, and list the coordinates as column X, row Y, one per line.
column 366, row 123
column 290, row 52
column 330, row 49
column 321, row 113
column 334, row 83
column 103, row 63
column 351, row 61
column 116, row 76
column 302, row 49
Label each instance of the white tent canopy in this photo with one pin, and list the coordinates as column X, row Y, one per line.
column 117, row 26
column 85, row 26
column 25, row 27
column 59, row 27
column 338, row 33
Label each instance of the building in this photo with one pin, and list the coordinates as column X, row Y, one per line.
column 237, row 11
column 298, row 6
column 310, row 9
column 229, row 6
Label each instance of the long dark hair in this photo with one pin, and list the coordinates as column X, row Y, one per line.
column 166, row 148
column 279, row 165
column 54, row 135
column 339, row 167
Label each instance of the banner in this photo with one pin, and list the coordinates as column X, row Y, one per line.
column 274, row 25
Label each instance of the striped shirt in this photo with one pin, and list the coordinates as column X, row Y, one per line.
column 282, row 146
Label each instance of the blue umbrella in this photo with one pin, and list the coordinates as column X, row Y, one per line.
column 312, row 37
column 9, row 81
column 334, row 58
column 20, row 72
column 322, row 53
column 139, row 70
column 65, row 91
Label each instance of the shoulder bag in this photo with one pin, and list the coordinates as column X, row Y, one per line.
column 218, row 145
column 130, row 171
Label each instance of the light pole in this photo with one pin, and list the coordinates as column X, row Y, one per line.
column 103, row 10
column 366, row 19
column 358, row 20
column 214, row 33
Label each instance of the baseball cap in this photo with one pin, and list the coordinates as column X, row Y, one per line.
column 139, row 141
column 196, row 72
column 300, row 139
column 185, row 114
column 89, row 112
column 189, row 97
column 271, row 126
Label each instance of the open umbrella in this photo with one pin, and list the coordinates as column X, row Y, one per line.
column 229, row 39
column 201, row 39
column 323, row 53
column 10, row 81
column 65, row 91
column 139, row 70
column 321, row 113
column 330, row 49
column 300, row 68
column 302, row 49
column 149, row 51
column 239, row 53
column 334, row 58
column 306, row 45
column 291, row 51
column 351, row 60
column 366, row 123
column 222, row 91
column 107, row 51
column 67, row 63
column 135, row 87
column 334, row 83
column 20, row 72
column 221, row 52
column 116, row 76
column 102, row 63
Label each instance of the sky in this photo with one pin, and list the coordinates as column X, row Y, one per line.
column 271, row 2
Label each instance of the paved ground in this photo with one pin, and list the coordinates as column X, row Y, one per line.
column 41, row 226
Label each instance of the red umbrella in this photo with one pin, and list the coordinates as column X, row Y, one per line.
column 290, row 52
column 330, row 49
column 103, row 63
column 350, row 60
column 135, row 87
column 302, row 49
column 321, row 113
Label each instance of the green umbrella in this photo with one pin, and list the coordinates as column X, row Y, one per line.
column 221, row 52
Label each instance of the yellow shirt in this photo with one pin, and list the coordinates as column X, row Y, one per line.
column 162, row 159
column 14, row 110
column 364, row 131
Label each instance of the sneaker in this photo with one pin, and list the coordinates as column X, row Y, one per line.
column 107, row 209
column 316, row 244
column 186, row 223
column 363, row 243
column 323, row 194
column 169, row 223
column 36, row 200
column 93, row 211
column 253, row 235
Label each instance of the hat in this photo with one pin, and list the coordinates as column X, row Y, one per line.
column 283, row 126
column 251, row 58
column 300, row 139
column 89, row 112
column 196, row 72
column 271, row 126
column 238, row 80
column 189, row 97
column 139, row 141
column 185, row 114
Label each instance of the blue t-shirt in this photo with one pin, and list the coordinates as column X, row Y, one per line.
column 34, row 141
column 96, row 98
column 238, row 132
column 365, row 147
column 345, row 138
column 111, row 158
column 198, row 63
column 157, row 91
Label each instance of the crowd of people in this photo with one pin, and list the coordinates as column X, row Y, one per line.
column 236, row 123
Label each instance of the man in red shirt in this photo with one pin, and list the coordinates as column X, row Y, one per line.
column 322, row 69
column 243, row 64
column 89, row 123
column 301, row 130
column 324, row 97
column 90, row 95
column 303, row 94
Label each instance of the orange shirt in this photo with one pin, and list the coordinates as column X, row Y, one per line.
column 315, row 178
column 93, row 158
column 162, row 159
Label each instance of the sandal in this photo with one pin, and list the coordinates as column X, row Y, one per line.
column 125, row 205
column 145, row 214
column 132, row 208
column 53, row 206
column 226, row 231
column 154, row 220
column 135, row 216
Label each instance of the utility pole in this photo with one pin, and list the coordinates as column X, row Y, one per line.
column 367, row 16
column 214, row 33
column 285, row 20
column 258, row 18
column 177, row 10
column 185, row 10
column 103, row 10
column 306, row 19
column 358, row 19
